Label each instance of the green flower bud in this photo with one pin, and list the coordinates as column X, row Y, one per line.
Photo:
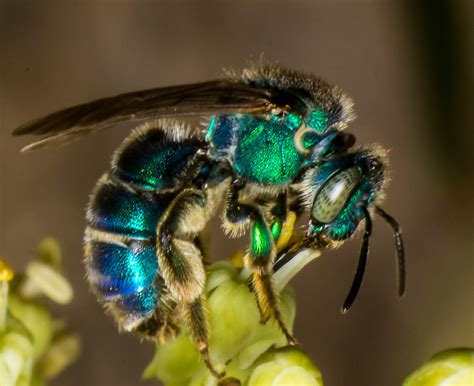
column 16, row 353
column 176, row 363
column 4, row 287
column 64, row 350
column 285, row 366
column 36, row 320
column 49, row 252
column 236, row 331
column 453, row 367
column 42, row 278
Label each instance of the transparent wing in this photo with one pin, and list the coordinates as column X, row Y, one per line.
column 219, row 96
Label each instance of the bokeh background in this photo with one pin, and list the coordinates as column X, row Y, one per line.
column 407, row 66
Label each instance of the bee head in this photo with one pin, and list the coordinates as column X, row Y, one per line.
column 339, row 191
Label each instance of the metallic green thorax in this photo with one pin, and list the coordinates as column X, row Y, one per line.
column 267, row 152
column 261, row 149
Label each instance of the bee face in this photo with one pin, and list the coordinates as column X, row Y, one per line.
column 338, row 189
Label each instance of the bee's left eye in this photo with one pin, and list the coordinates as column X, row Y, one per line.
column 334, row 194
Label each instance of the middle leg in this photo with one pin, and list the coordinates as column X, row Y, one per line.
column 261, row 255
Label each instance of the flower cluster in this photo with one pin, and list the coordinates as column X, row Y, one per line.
column 247, row 350
column 34, row 347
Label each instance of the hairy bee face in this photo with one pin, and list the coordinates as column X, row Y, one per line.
column 339, row 189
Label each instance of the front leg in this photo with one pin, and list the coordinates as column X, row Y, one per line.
column 278, row 215
column 261, row 255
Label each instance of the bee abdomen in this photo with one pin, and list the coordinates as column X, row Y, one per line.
column 124, row 276
column 156, row 157
column 119, row 209
column 120, row 270
column 123, row 214
column 120, row 249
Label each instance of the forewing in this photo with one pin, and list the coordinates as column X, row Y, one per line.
column 220, row 96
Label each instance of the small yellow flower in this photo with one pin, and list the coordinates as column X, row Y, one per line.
column 6, row 273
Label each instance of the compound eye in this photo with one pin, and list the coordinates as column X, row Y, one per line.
column 334, row 194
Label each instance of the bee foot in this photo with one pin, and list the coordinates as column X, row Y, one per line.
column 202, row 347
column 292, row 341
column 167, row 332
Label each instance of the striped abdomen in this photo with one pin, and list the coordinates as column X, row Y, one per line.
column 123, row 214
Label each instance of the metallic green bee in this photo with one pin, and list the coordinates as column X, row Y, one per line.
column 274, row 143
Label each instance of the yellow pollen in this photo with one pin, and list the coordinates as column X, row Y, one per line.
column 6, row 273
column 287, row 230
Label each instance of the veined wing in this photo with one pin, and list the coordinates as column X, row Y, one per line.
column 219, row 96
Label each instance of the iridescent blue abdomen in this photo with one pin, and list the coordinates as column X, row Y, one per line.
column 118, row 209
column 122, row 270
column 123, row 216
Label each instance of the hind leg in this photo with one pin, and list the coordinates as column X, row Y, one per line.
column 197, row 323
column 181, row 264
column 179, row 258
column 261, row 255
column 159, row 327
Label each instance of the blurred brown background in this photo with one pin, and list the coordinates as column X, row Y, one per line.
column 406, row 65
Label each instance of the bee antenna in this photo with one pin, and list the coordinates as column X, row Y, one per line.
column 359, row 274
column 397, row 233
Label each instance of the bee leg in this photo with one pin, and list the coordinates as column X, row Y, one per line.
column 167, row 332
column 260, row 258
column 197, row 324
column 181, row 265
column 278, row 216
column 179, row 258
column 267, row 299
column 203, row 246
column 158, row 329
